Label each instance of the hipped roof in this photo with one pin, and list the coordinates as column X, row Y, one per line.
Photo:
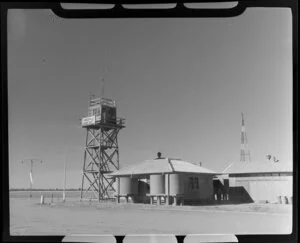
column 162, row 166
column 258, row 167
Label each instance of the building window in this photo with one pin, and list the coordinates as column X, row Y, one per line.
column 196, row 182
column 191, row 183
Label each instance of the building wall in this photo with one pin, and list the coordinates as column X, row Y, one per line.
column 128, row 185
column 262, row 187
column 157, row 184
column 199, row 187
column 176, row 184
column 192, row 186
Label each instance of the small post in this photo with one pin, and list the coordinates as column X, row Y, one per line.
column 180, row 201
column 158, row 200
column 52, row 198
column 31, row 178
column 118, row 190
column 42, row 199
column 65, row 166
column 168, row 189
column 175, row 201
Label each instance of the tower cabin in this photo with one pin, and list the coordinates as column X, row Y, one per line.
column 101, row 110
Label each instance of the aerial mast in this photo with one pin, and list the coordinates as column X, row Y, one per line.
column 65, row 176
column 102, row 87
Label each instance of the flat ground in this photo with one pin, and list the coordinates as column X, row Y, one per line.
column 28, row 217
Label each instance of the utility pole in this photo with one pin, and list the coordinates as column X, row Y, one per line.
column 65, row 167
column 30, row 173
column 245, row 152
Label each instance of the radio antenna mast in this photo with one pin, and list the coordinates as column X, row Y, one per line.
column 102, row 88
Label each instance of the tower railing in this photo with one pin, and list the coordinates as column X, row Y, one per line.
column 118, row 122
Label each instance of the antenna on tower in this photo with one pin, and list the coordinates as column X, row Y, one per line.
column 245, row 153
column 91, row 96
column 102, row 88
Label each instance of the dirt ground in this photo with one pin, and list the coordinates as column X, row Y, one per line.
column 28, row 217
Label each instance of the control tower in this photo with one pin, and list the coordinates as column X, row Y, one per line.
column 101, row 151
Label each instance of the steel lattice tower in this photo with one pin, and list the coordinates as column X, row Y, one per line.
column 245, row 153
column 101, row 151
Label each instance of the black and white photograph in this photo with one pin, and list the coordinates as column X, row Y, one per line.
column 143, row 126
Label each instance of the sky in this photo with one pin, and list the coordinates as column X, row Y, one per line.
column 181, row 85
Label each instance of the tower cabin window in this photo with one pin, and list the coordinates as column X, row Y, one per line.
column 94, row 111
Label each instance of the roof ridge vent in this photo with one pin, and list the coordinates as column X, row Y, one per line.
column 159, row 156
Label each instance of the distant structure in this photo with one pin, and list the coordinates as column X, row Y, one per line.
column 245, row 153
column 101, row 151
column 259, row 181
